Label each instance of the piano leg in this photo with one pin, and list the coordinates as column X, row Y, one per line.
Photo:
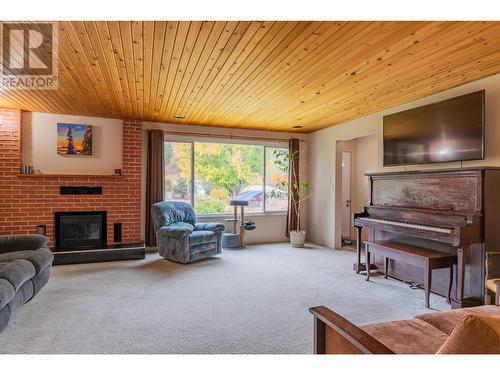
column 450, row 282
column 427, row 285
column 460, row 275
column 459, row 301
column 367, row 259
column 358, row 248
column 386, row 267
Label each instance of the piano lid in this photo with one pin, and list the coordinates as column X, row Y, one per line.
column 454, row 191
column 441, row 170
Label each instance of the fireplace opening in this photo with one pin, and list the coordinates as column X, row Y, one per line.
column 80, row 230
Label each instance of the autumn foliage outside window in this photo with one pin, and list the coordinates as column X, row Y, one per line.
column 208, row 175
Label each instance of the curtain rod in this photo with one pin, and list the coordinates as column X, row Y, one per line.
column 236, row 137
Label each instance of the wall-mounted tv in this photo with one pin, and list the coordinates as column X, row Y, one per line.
column 451, row 130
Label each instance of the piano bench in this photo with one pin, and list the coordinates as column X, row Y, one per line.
column 416, row 256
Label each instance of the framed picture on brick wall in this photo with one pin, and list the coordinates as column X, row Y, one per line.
column 74, row 139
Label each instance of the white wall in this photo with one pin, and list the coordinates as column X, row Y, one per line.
column 323, row 212
column 39, row 144
column 270, row 227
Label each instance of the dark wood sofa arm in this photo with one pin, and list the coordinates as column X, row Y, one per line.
column 335, row 335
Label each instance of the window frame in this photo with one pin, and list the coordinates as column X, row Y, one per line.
column 265, row 145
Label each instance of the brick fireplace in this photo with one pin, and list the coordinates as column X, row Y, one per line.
column 27, row 201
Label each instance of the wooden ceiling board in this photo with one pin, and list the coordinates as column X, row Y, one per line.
column 266, row 75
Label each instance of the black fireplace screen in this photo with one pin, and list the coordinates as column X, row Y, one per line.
column 80, row 230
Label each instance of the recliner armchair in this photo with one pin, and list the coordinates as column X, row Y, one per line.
column 179, row 237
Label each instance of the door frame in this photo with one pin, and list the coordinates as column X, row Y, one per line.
column 337, row 193
column 337, row 225
column 342, row 182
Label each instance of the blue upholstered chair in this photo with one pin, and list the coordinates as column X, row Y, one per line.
column 179, row 237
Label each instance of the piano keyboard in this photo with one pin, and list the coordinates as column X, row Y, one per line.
column 409, row 225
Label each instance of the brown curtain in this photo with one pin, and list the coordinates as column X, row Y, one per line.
column 154, row 179
column 293, row 177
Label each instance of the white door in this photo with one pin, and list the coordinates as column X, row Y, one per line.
column 346, row 195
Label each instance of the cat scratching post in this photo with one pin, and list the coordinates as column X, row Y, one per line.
column 236, row 239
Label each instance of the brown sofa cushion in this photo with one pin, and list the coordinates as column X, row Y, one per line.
column 474, row 334
column 407, row 336
column 447, row 320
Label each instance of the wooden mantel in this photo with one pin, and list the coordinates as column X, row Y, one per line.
column 44, row 175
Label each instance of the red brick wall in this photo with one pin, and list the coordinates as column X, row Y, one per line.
column 28, row 201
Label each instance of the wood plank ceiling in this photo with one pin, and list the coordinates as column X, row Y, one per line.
column 258, row 75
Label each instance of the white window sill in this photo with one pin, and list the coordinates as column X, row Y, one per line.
column 247, row 215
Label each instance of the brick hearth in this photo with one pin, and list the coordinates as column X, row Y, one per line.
column 28, row 201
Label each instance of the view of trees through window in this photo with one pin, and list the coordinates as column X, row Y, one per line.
column 276, row 181
column 178, row 171
column 222, row 172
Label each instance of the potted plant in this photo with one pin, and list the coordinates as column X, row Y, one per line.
column 287, row 163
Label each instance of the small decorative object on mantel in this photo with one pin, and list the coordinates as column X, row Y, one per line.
column 118, row 172
column 27, row 169
column 74, row 139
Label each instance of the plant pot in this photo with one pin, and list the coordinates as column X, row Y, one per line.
column 297, row 239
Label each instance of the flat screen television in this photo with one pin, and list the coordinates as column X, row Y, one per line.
column 451, row 130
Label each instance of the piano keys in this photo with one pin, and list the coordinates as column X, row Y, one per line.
column 454, row 211
column 402, row 224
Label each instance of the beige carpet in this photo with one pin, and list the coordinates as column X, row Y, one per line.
column 246, row 301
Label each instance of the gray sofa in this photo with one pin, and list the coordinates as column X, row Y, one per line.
column 25, row 263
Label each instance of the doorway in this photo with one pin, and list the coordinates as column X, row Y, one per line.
column 346, row 199
column 354, row 158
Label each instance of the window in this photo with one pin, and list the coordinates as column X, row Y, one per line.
column 219, row 172
column 223, row 171
column 178, row 171
column 276, row 179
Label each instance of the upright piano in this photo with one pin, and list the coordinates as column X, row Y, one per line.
column 456, row 211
